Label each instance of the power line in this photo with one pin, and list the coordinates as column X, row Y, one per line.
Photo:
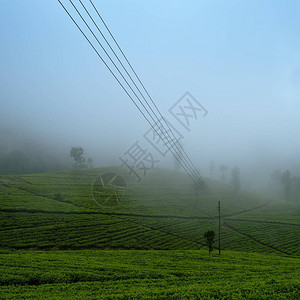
column 198, row 180
column 80, row 15
column 131, row 67
column 122, row 86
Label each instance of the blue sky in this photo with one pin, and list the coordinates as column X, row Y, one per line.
column 240, row 59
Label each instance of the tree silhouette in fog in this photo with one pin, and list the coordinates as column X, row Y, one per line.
column 77, row 153
column 209, row 238
column 223, row 169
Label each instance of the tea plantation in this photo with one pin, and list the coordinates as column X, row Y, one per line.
column 57, row 242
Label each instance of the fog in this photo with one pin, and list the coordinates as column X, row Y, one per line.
column 240, row 60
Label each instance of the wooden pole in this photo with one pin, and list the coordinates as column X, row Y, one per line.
column 219, row 210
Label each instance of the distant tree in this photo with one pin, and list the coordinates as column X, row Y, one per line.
column 235, row 179
column 275, row 181
column 287, row 183
column 178, row 150
column 223, row 169
column 90, row 162
column 77, row 153
column 211, row 168
column 209, row 238
column 276, row 175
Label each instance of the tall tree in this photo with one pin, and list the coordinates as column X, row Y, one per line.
column 276, row 175
column 275, row 181
column 223, row 169
column 209, row 239
column 77, row 153
column 235, row 179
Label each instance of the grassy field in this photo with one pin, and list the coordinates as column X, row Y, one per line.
column 140, row 274
column 58, row 242
column 163, row 212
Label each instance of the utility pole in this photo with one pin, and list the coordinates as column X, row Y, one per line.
column 219, row 210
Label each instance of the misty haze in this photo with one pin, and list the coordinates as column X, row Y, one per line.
column 149, row 149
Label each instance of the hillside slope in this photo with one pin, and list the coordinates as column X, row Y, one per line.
column 130, row 274
column 61, row 211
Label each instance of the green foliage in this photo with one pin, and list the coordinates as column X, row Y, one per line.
column 148, row 274
column 209, row 239
column 57, row 211
column 287, row 186
column 77, row 153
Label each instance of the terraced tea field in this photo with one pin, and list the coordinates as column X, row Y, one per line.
column 57, row 242
column 132, row 274
column 58, row 211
